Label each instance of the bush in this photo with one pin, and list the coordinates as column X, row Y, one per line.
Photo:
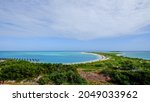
column 44, row 80
column 17, row 72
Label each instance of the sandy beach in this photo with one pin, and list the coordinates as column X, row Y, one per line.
column 2, row 60
column 100, row 58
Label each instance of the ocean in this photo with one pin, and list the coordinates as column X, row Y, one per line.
column 137, row 54
column 50, row 57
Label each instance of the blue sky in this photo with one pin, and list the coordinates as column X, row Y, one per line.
column 75, row 25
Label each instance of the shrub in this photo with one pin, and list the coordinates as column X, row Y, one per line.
column 44, row 80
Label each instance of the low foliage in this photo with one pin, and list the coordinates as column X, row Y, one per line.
column 50, row 73
column 121, row 70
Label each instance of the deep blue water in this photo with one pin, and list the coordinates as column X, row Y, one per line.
column 137, row 54
column 51, row 57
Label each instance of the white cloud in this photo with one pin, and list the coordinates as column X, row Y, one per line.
column 78, row 19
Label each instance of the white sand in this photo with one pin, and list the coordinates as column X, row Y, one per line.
column 2, row 60
column 100, row 58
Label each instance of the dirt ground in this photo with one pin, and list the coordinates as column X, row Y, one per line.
column 94, row 77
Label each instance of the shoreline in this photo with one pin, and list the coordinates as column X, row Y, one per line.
column 100, row 58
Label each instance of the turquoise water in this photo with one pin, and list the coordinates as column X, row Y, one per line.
column 137, row 54
column 50, row 57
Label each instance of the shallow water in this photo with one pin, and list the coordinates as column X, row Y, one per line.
column 50, row 57
column 137, row 54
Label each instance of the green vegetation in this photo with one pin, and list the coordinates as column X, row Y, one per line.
column 47, row 73
column 120, row 70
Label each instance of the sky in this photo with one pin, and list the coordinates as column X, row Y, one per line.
column 75, row 25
